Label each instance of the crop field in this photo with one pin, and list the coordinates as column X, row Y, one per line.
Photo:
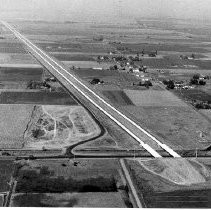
column 2, row 200
column 206, row 112
column 14, row 120
column 194, row 94
column 76, row 47
column 90, row 183
column 180, row 127
column 88, row 200
column 45, row 98
column 136, row 47
column 113, row 80
column 91, row 73
column 11, row 47
column 15, row 58
column 59, row 127
column 86, row 65
column 70, row 182
column 20, row 74
column 118, row 97
column 155, row 183
column 73, row 57
column 86, row 168
column 169, row 62
column 6, row 171
column 155, row 98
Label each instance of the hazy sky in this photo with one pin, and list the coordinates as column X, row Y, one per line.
column 90, row 10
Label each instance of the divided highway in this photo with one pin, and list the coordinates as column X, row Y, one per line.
column 71, row 81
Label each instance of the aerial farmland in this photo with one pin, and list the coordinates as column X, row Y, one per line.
column 105, row 113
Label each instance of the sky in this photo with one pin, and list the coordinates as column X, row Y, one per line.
column 104, row 10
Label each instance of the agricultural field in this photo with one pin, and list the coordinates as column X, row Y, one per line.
column 66, row 183
column 180, row 127
column 11, row 47
column 118, row 97
column 161, row 112
column 14, row 121
column 206, row 113
column 6, row 173
column 194, row 94
column 86, row 64
column 20, row 74
column 36, row 98
column 2, row 198
column 16, row 58
column 178, row 183
column 87, row 200
column 154, row 98
column 59, row 127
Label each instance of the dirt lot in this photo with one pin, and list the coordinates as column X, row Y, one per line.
column 59, row 127
column 14, row 120
column 157, row 191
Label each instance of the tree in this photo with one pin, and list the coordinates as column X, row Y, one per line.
column 171, row 84
column 194, row 81
column 147, row 84
column 196, row 76
column 202, row 82
column 165, row 82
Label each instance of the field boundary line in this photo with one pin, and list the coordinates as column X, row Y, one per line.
column 130, row 182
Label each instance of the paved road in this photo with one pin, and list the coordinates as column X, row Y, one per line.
column 70, row 81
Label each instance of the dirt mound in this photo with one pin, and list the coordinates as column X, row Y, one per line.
column 179, row 170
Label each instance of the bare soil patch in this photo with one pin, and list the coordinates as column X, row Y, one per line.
column 59, row 127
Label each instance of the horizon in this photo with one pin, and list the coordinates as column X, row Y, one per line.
column 105, row 11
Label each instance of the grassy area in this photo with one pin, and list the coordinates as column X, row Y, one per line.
column 45, row 98
column 118, row 97
column 88, row 200
column 178, row 127
column 20, row 74
column 194, row 94
column 6, row 171
column 154, row 98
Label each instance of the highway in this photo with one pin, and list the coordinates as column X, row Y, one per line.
column 70, row 81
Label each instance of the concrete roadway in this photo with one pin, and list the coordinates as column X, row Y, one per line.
column 70, row 81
